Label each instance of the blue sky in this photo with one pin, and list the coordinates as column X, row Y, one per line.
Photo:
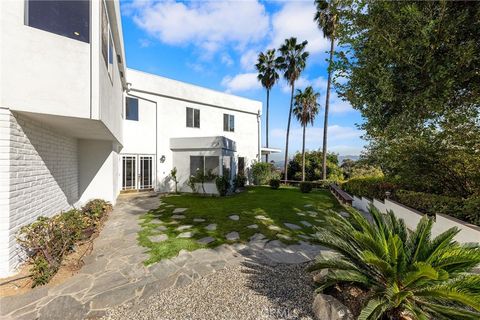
column 215, row 45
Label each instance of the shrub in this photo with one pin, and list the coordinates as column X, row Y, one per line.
column 240, row 181
column 408, row 275
column 173, row 175
column 275, row 183
column 471, row 210
column 263, row 172
column 369, row 187
column 96, row 209
column 223, row 185
column 306, row 186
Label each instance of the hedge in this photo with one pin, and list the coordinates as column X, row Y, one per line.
column 369, row 187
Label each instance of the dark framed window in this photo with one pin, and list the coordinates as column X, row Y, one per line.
column 241, row 165
column 197, row 163
column 228, row 122
column 193, row 118
column 131, row 109
column 70, row 19
column 204, row 164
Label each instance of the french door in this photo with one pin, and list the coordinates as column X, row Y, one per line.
column 137, row 172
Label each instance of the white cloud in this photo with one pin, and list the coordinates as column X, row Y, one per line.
column 248, row 59
column 144, row 43
column 209, row 25
column 226, row 59
column 241, row 82
column 315, row 134
column 295, row 19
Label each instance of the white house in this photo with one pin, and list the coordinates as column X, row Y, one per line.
column 75, row 124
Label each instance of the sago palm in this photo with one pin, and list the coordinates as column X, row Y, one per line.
column 306, row 109
column 326, row 18
column 408, row 275
column 267, row 67
column 293, row 61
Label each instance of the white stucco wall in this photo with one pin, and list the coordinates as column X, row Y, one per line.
column 40, row 178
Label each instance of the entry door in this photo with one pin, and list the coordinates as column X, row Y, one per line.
column 137, row 172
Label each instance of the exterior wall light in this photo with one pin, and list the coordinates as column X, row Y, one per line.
column 162, row 159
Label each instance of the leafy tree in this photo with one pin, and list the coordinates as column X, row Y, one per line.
column 267, row 67
column 407, row 275
column 313, row 166
column 292, row 61
column 326, row 18
column 306, row 109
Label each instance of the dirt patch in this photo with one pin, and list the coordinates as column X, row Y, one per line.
column 351, row 296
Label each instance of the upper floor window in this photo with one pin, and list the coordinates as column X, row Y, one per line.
column 108, row 49
column 131, row 109
column 228, row 122
column 66, row 18
column 193, row 118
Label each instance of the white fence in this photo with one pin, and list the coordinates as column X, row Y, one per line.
column 468, row 232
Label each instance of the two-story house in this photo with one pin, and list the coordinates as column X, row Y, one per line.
column 75, row 124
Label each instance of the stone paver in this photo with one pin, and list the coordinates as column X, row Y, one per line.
column 232, row 236
column 261, row 217
column 284, row 236
column 292, row 226
column 274, row 228
column 206, row 240
column 158, row 238
column 198, row 220
column 306, row 223
column 178, row 216
column 162, row 228
column 234, row 217
column 114, row 272
column 179, row 210
column 187, row 234
column 253, row 226
column 184, row 227
column 302, row 214
column 211, row 227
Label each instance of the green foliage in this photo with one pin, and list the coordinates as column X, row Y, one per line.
column 223, row 185
column 96, row 209
column 173, row 175
column 370, row 187
column 202, row 178
column 406, row 274
column 267, row 66
column 274, row 183
column 240, row 181
column 42, row 271
column 263, row 172
column 471, row 210
column 306, row 186
column 313, row 166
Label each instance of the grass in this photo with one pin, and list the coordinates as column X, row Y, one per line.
column 286, row 204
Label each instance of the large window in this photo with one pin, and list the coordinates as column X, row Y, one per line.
column 228, row 122
column 241, row 165
column 131, row 109
column 204, row 164
column 66, row 18
column 108, row 48
column 193, row 118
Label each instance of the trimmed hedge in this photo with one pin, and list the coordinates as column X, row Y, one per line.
column 275, row 183
column 369, row 187
column 306, row 186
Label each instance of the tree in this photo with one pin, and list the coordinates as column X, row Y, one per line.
column 313, row 166
column 306, row 109
column 292, row 61
column 326, row 18
column 267, row 67
column 406, row 275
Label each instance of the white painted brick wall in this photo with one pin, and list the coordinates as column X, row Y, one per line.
column 42, row 169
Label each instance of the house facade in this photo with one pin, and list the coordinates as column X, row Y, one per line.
column 76, row 124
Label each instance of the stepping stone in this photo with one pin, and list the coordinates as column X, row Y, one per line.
column 206, row 240
column 301, row 214
column 158, row 238
column 178, row 216
column 162, row 228
column 261, row 217
column 312, row 213
column 179, row 210
column 283, row 236
column 198, row 220
column 211, row 227
column 274, row 228
column 308, row 206
column 344, row 214
column 232, row 236
column 292, row 226
column 252, row 226
column 185, row 227
column 157, row 221
column 304, row 237
column 187, row 234
column 306, row 223
column 318, row 220
column 257, row 237
column 169, row 206
column 234, row 217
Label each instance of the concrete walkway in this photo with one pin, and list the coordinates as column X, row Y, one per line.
column 114, row 272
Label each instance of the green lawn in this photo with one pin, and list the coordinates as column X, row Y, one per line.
column 285, row 205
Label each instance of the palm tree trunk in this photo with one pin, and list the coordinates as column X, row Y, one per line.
column 288, row 132
column 266, row 133
column 303, row 154
column 327, row 105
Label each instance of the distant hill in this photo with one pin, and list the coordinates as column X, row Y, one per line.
column 341, row 158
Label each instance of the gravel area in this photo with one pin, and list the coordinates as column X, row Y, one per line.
column 250, row 291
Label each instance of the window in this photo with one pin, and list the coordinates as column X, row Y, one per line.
column 66, row 18
column 193, row 118
column 104, row 33
column 227, row 166
column 111, row 52
column 204, row 164
column 131, row 109
column 228, row 122
column 241, row 165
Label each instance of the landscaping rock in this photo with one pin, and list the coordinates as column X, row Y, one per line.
column 261, row 217
column 232, row 236
column 198, row 220
column 274, row 228
column 319, row 277
column 211, row 227
column 179, row 210
column 252, row 226
column 162, row 228
column 257, row 236
column 158, row 238
column 187, row 234
column 327, row 307
column 292, row 226
column 178, row 216
column 184, row 227
column 234, row 217
column 306, row 223
column 283, row 236
column 206, row 240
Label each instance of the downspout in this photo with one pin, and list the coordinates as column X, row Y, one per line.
column 259, row 156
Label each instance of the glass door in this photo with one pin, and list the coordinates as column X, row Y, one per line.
column 129, row 172
column 137, row 172
column 145, row 172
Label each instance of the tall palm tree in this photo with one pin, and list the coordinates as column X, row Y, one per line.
column 267, row 67
column 292, row 61
column 326, row 18
column 306, row 109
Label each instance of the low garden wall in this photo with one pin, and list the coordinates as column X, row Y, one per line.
column 468, row 232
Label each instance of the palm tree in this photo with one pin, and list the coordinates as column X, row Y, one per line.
column 306, row 109
column 326, row 18
column 292, row 61
column 405, row 274
column 267, row 66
